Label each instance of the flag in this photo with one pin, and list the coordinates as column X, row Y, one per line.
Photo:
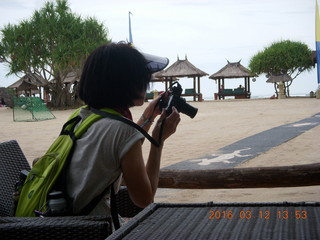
column 130, row 33
column 318, row 40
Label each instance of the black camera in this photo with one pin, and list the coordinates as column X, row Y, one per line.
column 171, row 98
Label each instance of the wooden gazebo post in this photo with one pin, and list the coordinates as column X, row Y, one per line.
column 196, row 89
column 199, row 92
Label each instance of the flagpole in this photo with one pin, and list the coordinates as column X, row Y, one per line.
column 130, row 33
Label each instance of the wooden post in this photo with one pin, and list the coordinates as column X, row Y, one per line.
column 170, row 81
column 219, row 83
column 195, row 88
column 245, row 84
column 222, row 86
column 258, row 177
column 199, row 92
column 166, row 84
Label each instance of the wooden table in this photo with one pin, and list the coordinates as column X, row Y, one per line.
column 224, row 221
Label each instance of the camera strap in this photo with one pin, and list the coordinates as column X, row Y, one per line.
column 127, row 121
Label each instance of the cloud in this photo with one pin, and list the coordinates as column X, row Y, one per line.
column 208, row 32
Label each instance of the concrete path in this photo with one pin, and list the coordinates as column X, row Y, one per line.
column 250, row 147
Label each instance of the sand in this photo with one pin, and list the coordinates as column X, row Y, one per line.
column 217, row 124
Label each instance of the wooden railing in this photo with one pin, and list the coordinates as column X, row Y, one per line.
column 257, row 177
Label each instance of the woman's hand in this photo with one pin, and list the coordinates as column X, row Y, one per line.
column 149, row 114
column 166, row 125
column 152, row 110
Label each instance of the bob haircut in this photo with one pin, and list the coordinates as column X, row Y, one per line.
column 113, row 76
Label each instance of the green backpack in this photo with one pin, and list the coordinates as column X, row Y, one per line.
column 42, row 178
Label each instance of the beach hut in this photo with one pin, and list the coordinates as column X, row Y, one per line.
column 156, row 77
column 231, row 71
column 180, row 69
column 71, row 82
column 29, row 84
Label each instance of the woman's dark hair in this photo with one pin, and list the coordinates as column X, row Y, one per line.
column 114, row 75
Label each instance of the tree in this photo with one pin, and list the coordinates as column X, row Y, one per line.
column 284, row 57
column 51, row 44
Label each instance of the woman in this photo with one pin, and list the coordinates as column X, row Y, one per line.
column 116, row 76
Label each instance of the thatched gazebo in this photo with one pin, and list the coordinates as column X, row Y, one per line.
column 71, row 81
column 231, row 71
column 157, row 77
column 180, row 69
column 29, row 84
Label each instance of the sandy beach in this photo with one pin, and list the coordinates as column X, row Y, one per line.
column 217, row 124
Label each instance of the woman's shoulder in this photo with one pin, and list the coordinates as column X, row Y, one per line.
column 105, row 121
column 113, row 127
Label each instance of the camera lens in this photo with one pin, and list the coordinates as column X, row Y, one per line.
column 186, row 108
column 172, row 99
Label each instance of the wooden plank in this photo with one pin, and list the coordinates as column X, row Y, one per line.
column 258, row 177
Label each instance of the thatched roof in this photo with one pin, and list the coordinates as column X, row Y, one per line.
column 232, row 70
column 279, row 78
column 22, row 85
column 157, row 77
column 182, row 68
column 72, row 77
column 28, row 82
column 157, row 74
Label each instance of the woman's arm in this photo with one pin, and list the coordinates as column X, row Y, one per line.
column 142, row 180
column 136, row 177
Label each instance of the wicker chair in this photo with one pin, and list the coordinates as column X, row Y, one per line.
column 12, row 161
column 125, row 207
column 97, row 227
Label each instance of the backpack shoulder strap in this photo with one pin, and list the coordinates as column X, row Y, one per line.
column 87, row 122
column 69, row 126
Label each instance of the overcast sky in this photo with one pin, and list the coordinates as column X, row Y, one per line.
column 208, row 32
